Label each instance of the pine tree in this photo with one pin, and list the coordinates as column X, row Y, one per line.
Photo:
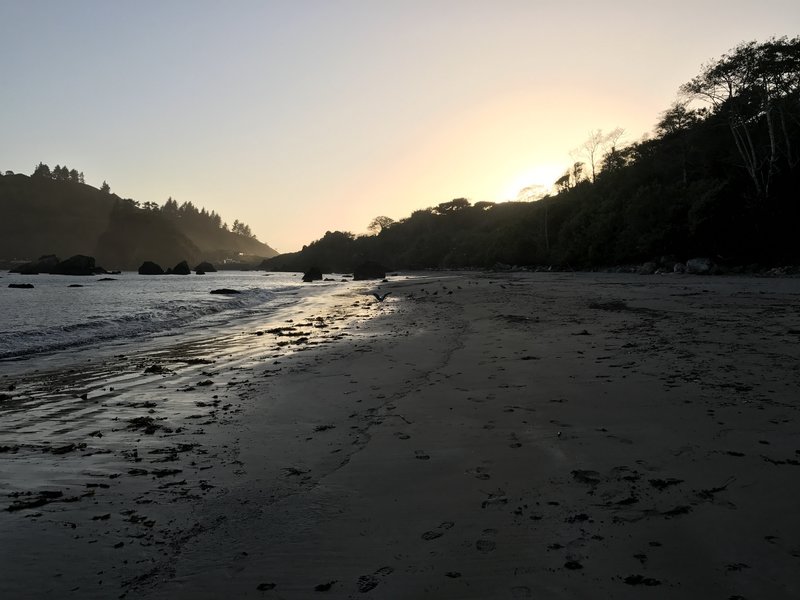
column 42, row 170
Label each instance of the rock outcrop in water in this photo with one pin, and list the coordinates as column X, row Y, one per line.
column 182, row 268
column 49, row 263
column 206, row 267
column 313, row 274
column 150, row 268
column 76, row 265
column 45, row 264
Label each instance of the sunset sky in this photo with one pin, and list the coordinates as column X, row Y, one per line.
column 299, row 117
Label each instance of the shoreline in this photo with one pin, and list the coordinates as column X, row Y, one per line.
column 145, row 428
column 490, row 436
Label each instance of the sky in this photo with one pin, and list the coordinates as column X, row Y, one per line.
column 299, row 117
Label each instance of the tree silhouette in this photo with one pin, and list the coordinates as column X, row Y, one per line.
column 42, row 170
column 380, row 223
column 754, row 86
column 596, row 146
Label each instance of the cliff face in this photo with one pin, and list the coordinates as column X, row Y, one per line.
column 42, row 216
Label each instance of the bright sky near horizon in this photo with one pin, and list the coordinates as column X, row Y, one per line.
column 303, row 116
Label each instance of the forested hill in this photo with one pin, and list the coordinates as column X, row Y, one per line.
column 719, row 177
column 56, row 213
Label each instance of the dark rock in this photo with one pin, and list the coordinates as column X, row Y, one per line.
column 182, row 268
column 75, row 265
column 107, row 279
column 500, row 267
column 324, row 587
column 205, row 266
column 313, row 274
column 641, row 580
column 679, row 267
column 369, row 270
column 265, row 587
column 699, row 266
column 150, row 268
column 21, row 286
column 226, row 291
column 199, row 272
column 45, row 264
column 667, row 262
column 75, row 285
column 647, row 268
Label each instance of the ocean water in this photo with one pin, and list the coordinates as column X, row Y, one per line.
column 56, row 318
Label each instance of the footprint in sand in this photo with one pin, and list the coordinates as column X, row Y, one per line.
column 437, row 532
column 324, row 587
column 486, row 544
column 367, row 583
column 479, row 473
column 265, row 587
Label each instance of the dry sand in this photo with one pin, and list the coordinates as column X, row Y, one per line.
column 483, row 436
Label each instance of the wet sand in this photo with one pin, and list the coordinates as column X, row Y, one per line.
column 482, row 436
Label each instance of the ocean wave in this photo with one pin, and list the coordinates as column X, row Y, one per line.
column 152, row 318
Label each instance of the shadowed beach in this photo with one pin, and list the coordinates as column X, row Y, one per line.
column 479, row 436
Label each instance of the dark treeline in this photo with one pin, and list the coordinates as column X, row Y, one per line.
column 55, row 212
column 718, row 178
column 58, row 173
column 186, row 213
column 191, row 217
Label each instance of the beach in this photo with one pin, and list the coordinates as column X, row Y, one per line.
column 475, row 435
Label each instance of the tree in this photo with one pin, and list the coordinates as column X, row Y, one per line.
column 452, row 206
column 531, row 193
column 380, row 223
column 562, row 183
column 571, row 177
column 756, row 86
column 484, row 205
column 242, row 229
column 42, row 170
column 677, row 122
column 596, row 145
column 170, row 207
column 105, row 188
column 677, row 118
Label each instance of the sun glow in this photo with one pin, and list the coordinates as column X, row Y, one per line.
column 540, row 178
